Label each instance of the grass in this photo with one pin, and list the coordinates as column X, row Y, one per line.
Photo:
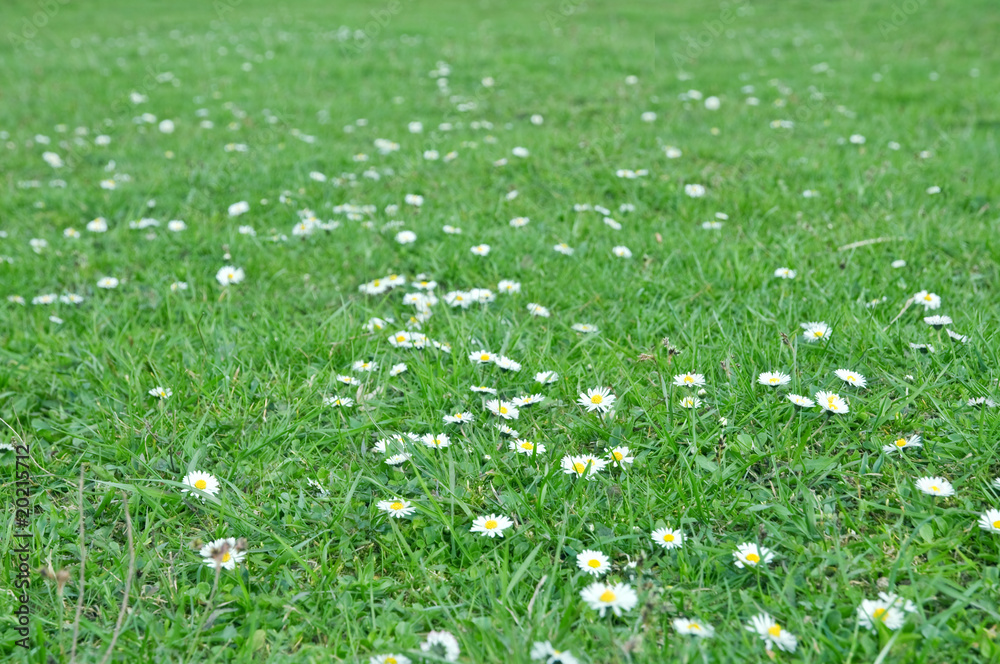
column 327, row 575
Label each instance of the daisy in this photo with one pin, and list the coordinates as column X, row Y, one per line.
column 397, row 459
column 442, row 644
column 509, row 287
column 459, row 299
column 620, row 455
column 201, row 481
column 935, row 486
column 376, row 324
column 161, row 392
column 436, row 442
column 689, row 380
column 491, row 526
column 694, row 190
column 519, row 222
column 538, row 310
column 928, row 300
column 990, row 521
column 774, row 378
column 459, row 418
column 902, row 444
column 690, row 402
column 937, row 322
column 601, row 597
column 391, row 658
column 564, row 249
column 784, row 273
column 526, row 447
column 772, row 633
column 668, row 538
column 597, row 399
column 397, row 507
column 107, row 283
column 338, row 402
column 874, row 611
column 621, row 252
column 483, row 388
column 401, row 339
column 582, row 466
column 222, row 553
column 592, row 562
column 99, row 225
column 586, row 328
column 694, row 628
column 507, row 364
column 229, row 275
column 831, row 402
column 348, row 380
column 851, row 377
column 749, row 554
column 546, row 377
column 506, row 430
column 481, row 249
column 451, row 230
column 815, row 331
column 481, row 357
column 955, row 336
column 504, row 409
column 363, row 365
column 178, row 286
column 981, row 401
column 528, row 400
column 543, row 651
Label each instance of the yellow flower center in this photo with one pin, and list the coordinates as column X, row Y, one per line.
column 490, row 525
column 880, row 614
column 618, row 456
column 607, row 596
column 527, row 446
column 376, row 283
column 459, row 298
column 831, row 402
column 503, row 410
column 772, row 380
column 579, row 468
column 996, row 524
column 818, row 333
column 391, row 660
column 669, row 537
column 694, row 626
column 688, row 379
column 935, row 488
column 201, row 484
column 226, row 557
column 485, row 357
column 597, row 398
column 594, row 563
column 900, row 442
column 396, row 506
column 400, row 338
column 774, row 631
column 928, row 297
column 753, row 557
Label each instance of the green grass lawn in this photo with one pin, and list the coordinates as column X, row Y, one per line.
column 685, row 152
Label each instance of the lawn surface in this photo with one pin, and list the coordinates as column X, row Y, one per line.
column 852, row 142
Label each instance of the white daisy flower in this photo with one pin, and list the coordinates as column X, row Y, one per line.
column 593, row 562
column 621, row 455
column 990, row 521
column 902, row 444
column 772, row 633
column 814, row 332
column 481, row 249
column 694, row 628
column 749, row 554
column 222, row 553
column 491, row 526
column 525, row 447
column 459, row 418
column 784, row 273
column 774, row 378
column 546, row 377
column 601, row 597
column 442, row 644
column 397, row 507
column 935, row 486
column 161, row 392
column 851, row 377
column 928, row 300
column 201, row 481
column 668, row 538
column 831, row 402
column 689, row 380
column 229, row 275
column 597, row 399
column 504, row 409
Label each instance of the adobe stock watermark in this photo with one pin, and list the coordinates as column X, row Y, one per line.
column 361, row 40
column 697, row 43
column 567, row 8
column 29, row 26
column 901, row 13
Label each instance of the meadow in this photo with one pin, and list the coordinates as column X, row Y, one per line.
column 569, row 332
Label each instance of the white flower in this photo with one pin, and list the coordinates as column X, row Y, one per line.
column 990, row 521
column 690, row 402
column 229, row 275
column 620, row 455
column 338, row 402
column 201, row 481
column 236, row 209
column 774, row 378
column 689, row 380
column 491, row 526
column 222, row 553
column 672, row 152
column 543, row 651
column 648, row 116
column 751, row 555
column 481, row 249
column 857, row 139
column 99, row 225
column 519, row 222
column 397, row 508
column 874, row 611
column 507, row 364
column 564, row 249
column 442, row 644
column 597, row 399
column 831, row 402
column 694, row 190
column 935, row 486
column 406, row 237
column 601, row 597
column 785, row 273
column 898, row 263
column 772, row 633
column 508, row 287
column 937, row 321
column 107, row 283
column 694, row 628
column 593, row 562
column 520, row 152
column 546, row 377
column 712, row 103
column 582, row 466
column 586, row 328
column 536, row 309
column 621, row 252
column 397, row 369
column 391, row 658
column 928, row 300
column 902, row 443
column 815, row 331
column 166, row 127
column 668, row 538
column 176, row 226
column 504, row 409
column 851, row 377
column 161, row 392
